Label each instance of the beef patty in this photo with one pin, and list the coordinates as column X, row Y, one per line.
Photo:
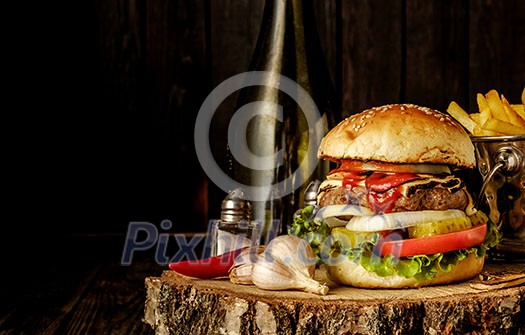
column 421, row 199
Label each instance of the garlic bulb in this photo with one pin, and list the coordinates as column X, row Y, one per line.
column 287, row 262
column 293, row 252
column 241, row 271
column 269, row 273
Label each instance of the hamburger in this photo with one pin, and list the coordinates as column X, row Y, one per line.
column 395, row 212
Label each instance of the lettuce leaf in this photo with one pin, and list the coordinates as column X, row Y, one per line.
column 317, row 233
column 314, row 230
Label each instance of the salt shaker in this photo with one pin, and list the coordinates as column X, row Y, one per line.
column 235, row 229
column 235, row 207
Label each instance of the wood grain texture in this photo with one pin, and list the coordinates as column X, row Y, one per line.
column 436, row 53
column 371, row 54
column 113, row 303
column 76, row 285
column 328, row 20
column 177, row 63
column 233, row 30
column 43, row 308
column 496, row 48
column 181, row 305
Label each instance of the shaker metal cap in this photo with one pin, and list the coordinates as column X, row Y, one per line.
column 310, row 194
column 235, row 207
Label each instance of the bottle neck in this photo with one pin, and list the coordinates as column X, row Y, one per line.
column 301, row 62
column 270, row 43
column 283, row 28
column 288, row 44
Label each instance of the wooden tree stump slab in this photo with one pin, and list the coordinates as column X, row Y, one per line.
column 180, row 305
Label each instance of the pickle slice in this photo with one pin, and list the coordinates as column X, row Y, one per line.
column 350, row 239
column 439, row 227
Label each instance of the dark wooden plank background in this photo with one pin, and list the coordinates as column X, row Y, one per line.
column 134, row 74
column 107, row 96
column 156, row 61
column 123, row 82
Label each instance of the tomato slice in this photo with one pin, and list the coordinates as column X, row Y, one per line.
column 357, row 165
column 433, row 244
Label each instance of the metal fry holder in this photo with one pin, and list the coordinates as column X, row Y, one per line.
column 501, row 163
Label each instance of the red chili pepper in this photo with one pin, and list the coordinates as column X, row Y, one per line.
column 212, row 267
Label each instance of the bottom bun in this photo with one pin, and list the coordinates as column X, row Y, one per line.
column 353, row 274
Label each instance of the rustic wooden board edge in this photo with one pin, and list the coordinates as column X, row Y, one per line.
column 180, row 305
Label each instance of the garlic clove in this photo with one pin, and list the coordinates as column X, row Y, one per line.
column 241, row 271
column 269, row 273
column 241, row 274
column 248, row 255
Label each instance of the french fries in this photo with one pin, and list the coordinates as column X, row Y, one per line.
column 496, row 116
column 460, row 115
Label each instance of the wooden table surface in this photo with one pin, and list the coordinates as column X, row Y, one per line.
column 74, row 285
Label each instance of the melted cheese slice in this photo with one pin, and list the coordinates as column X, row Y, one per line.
column 449, row 182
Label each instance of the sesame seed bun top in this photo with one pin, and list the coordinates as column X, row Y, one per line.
column 400, row 133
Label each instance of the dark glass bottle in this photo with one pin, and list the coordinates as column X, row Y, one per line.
column 284, row 129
